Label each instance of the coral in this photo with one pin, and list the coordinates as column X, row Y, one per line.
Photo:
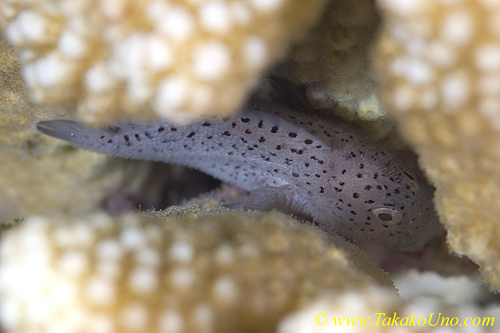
column 111, row 60
column 376, row 310
column 210, row 269
column 333, row 61
column 189, row 270
column 39, row 175
column 341, row 304
column 438, row 64
column 460, row 289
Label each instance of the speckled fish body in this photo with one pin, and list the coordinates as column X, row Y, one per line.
column 345, row 181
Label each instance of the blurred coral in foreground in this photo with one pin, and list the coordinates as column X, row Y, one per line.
column 111, row 60
column 439, row 68
column 437, row 72
column 181, row 270
column 40, row 175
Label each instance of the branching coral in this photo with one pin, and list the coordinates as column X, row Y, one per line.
column 439, row 66
column 40, row 175
column 200, row 270
column 186, row 270
column 172, row 59
column 377, row 311
column 334, row 61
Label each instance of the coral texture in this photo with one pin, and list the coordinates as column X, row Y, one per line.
column 377, row 310
column 38, row 174
column 334, row 61
column 212, row 270
column 171, row 59
column 182, row 270
column 439, row 67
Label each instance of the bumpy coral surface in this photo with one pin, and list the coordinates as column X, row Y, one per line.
column 170, row 59
column 334, row 61
column 189, row 270
column 38, row 174
column 378, row 311
column 193, row 270
column 439, row 65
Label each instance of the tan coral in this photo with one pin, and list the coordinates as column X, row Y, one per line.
column 376, row 311
column 110, row 60
column 189, row 270
column 439, row 66
column 334, row 61
column 39, row 175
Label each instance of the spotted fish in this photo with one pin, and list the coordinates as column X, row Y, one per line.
column 298, row 162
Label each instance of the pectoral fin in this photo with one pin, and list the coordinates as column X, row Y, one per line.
column 281, row 198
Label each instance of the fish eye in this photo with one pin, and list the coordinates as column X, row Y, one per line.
column 387, row 215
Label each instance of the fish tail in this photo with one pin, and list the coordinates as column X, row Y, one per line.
column 63, row 129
